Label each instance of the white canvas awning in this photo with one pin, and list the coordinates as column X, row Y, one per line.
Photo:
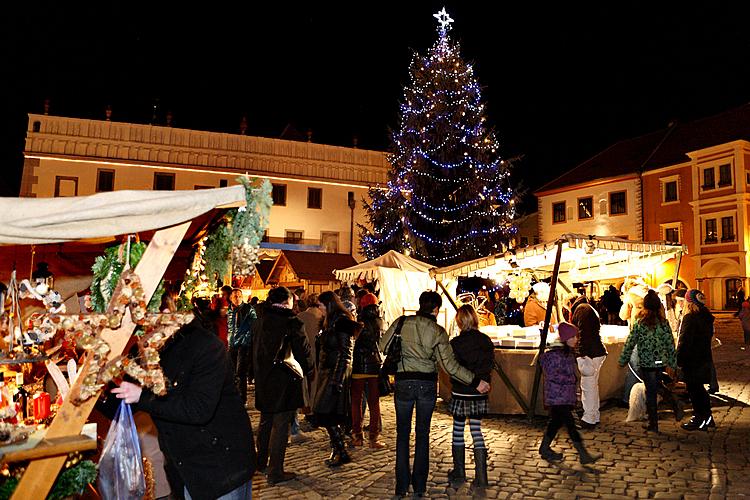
column 584, row 258
column 55, row 220
column 370, row 269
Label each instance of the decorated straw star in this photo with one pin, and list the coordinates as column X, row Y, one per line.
column 444, row 20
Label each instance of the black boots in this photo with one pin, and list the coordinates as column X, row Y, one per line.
column 457, row 475
column 480, row 465
column 653, row 419
column 548, row 453
column 699, row 424
column 584, row 456
column 339, row 455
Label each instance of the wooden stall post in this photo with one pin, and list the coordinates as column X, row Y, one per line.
column 676, row 276
column 42, row 473
column 543, row 340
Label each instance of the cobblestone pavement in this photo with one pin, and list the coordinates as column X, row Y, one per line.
column 672, row 464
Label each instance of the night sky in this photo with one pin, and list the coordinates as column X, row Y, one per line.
column 561, row 82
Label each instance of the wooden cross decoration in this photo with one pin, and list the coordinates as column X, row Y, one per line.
column 42, row 473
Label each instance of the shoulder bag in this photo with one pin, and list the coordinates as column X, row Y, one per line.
column 285, row 358
column 392, row 359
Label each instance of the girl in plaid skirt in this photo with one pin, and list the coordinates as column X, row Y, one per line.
column 475, row 351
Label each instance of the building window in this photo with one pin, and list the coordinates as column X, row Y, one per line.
column 314, row 198
column 163, row 182
column 732, row 298
column 293, row 237
column 66, row 186
column 558, row 212
column 672, row 235
column 618, row 203
column 725, row 175
column 279, row 194
column 524, row 241
column 223, row 183
column 265, row 236
column 747, row 178
column 105, row 180
column 585, row 208
column 711, row 235
column 36, row 126
column 708, row 178
column 670, row 191
column 727, row 229
column 199, row 186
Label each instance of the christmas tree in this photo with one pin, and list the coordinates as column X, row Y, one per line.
column 448, row 196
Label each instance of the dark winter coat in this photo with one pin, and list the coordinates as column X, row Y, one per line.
column 612, row 301
column 336, row 344
column 694, row 346
column 276, row 389
column 559, row 365
column 473, row 350
column 240, row 321
column 587, row 320
column 204, row 430
column 367, row 358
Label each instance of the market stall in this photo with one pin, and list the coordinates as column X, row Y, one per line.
column 101, row 336
column 571, row 259
column 401, row 279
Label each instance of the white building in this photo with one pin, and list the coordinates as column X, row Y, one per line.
column 315, row 185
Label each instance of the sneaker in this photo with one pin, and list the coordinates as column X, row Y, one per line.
column 300, row 437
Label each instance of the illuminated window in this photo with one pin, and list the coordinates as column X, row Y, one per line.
column 672, row 235
column 711, row 236
column 585, row 208
column 293, row 237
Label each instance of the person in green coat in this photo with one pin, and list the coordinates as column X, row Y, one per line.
column 653, row 336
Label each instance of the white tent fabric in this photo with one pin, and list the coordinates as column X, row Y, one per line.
column 401, row 278
column 55, row 220
column 392, row 260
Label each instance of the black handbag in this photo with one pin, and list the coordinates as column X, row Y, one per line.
column 286, row 359
column 393, row 351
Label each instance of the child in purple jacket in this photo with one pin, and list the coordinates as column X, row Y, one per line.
column 559, row 365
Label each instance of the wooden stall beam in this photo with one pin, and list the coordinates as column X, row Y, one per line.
column 677, row 264
column 543, row 339
column 447, row 295
column 41, row 474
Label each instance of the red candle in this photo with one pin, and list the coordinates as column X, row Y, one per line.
column 41, row 405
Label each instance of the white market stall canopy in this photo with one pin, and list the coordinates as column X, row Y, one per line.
column 583, row 258
column 53, row 220
column 370, row 269
column 402, row 280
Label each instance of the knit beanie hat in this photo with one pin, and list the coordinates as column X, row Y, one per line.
column 367, row 299
column 695, row 296
column 566, row 331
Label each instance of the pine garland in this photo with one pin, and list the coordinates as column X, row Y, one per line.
column 71, row 482
column 107, row 269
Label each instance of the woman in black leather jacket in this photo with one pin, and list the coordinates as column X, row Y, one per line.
column 336, row 345
column 365, row 370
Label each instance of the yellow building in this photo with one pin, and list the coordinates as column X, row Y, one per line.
column 317, row 189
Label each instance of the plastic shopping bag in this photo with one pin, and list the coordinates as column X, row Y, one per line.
column 120, row 467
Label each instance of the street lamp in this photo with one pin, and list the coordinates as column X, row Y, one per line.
column 352, row 205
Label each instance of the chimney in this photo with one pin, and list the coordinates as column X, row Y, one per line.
column 46, row 106
column 243, row 125
column 169, row 118
column 355, row 141
column 108, row 113
column 309, row 135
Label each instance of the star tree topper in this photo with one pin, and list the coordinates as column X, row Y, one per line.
column 444, row 20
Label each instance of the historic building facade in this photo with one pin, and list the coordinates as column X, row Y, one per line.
column 688, row 184
column 317, row 189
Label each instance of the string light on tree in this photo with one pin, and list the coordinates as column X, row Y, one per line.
column 448, row 197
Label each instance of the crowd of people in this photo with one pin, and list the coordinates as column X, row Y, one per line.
column 316, row 360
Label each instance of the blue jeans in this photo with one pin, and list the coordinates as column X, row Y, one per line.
column 408, row 394
column 244, row 492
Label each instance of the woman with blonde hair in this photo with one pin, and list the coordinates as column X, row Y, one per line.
column 475, row 351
